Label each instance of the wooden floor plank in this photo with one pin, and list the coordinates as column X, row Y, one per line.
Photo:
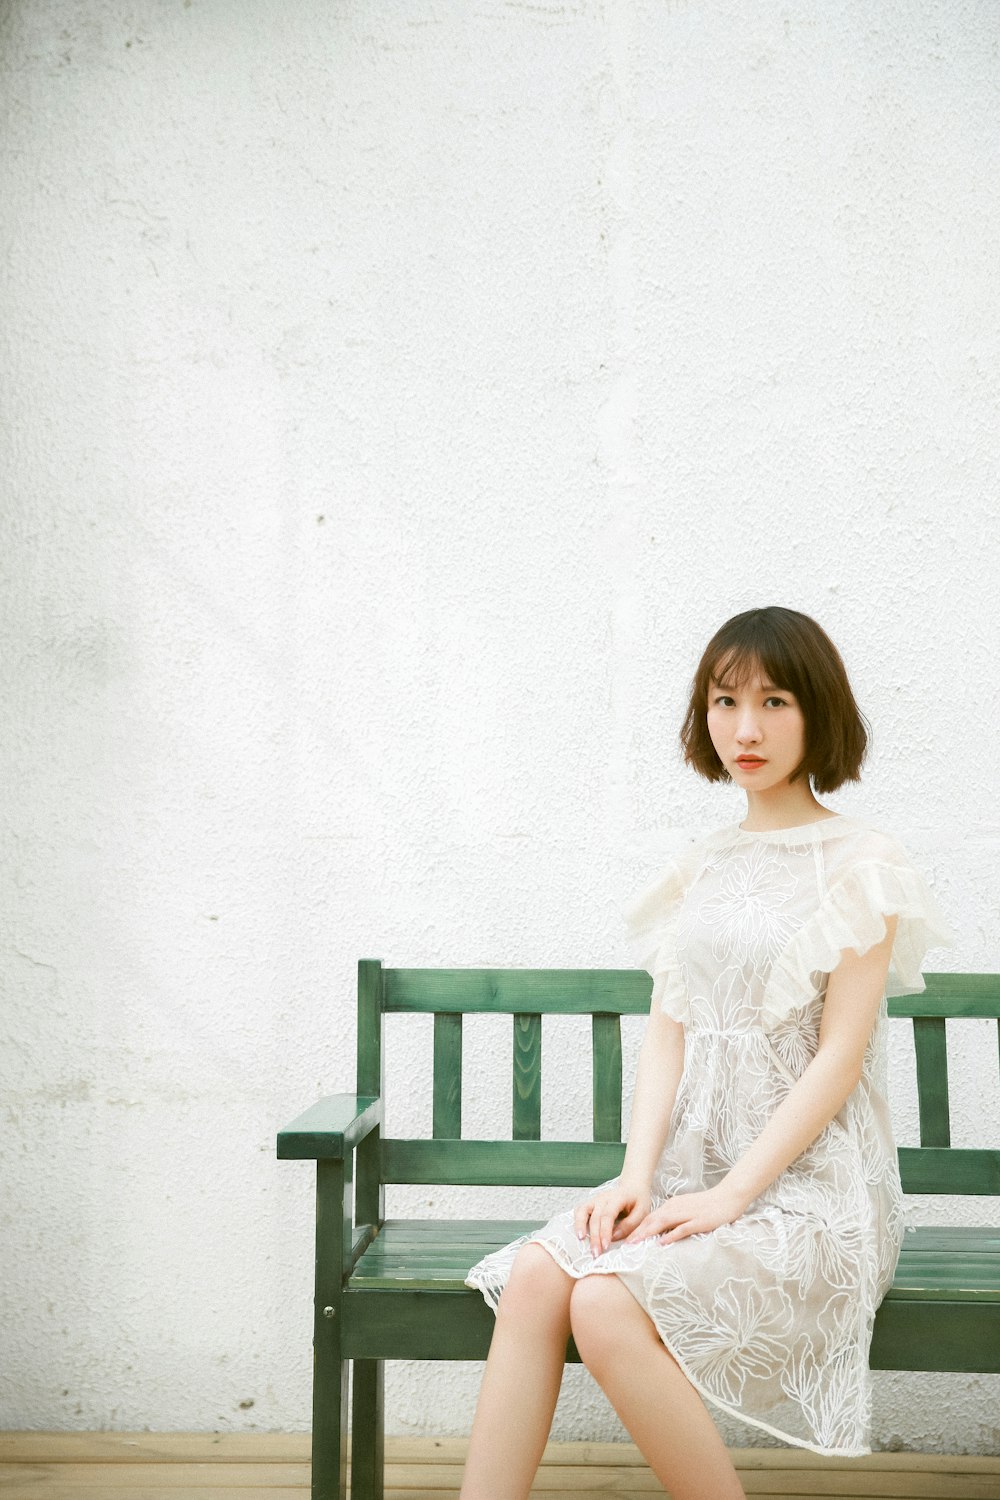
column 564, row 1480
column 293, row 1447
column 274, row 1466
column 150, row 1490
column 614, row 1486
column 180, row 1478
column 155, row 1447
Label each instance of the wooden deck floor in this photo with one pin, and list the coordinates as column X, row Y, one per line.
column 228, row 1466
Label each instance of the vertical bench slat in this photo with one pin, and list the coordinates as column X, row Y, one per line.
column 527, row 1100
column 447, row 1122
column 930, row 1044
column 607, row 1078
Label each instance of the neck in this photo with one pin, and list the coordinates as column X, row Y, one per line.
column 783, row 807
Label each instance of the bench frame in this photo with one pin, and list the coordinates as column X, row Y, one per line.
column 942, row 1312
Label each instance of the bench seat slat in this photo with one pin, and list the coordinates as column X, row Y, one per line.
column 466, row 1231
column 414, row 1276
column 970, row 1278
column 957, row 1263
column 928, row 1239
column 933, row 1239
column 417, row 1269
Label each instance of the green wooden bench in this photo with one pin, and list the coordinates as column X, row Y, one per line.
column 394, row 1289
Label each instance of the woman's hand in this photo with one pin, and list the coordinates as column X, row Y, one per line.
column 610, row 1215
column 689, row 1213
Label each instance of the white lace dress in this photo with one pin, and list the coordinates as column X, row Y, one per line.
column 770, row 1316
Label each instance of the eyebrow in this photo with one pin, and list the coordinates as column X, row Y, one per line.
column 765, row 687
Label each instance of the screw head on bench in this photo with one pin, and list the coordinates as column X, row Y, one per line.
column 329, row 1312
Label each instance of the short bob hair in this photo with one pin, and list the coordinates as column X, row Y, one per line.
column 791, row 652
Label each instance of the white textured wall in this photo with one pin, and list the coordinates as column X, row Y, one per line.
column 395, row 397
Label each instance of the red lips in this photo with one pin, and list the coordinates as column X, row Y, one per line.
column 750, row 760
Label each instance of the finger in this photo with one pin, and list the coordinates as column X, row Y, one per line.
column 635, row 1220
column 581, row 1219
column 680, row 1232
column 592, row 1212
column 624, row 1226
column 597, row 1229
column 646, row 1228
column 594, row 1229
column 605, row 1223
column 610, row 1222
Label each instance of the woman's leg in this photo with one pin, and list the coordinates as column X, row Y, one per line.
column 521, row 1380
column 659, row 1406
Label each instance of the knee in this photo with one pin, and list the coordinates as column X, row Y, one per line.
column 596, row 1318
column 537, row 1289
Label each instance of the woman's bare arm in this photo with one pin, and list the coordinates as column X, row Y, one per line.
column 661, row 1062
column 614, row 1213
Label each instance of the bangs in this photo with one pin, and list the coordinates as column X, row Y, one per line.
column 739, row 664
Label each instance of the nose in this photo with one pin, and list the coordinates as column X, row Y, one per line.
column 748, row 727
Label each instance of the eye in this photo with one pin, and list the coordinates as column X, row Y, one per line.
column 775, row 702
column 723, row 701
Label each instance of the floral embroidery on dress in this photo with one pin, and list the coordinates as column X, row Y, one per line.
column 795, row 1038
column 747, row 912
column 744, row 1336
column 770, row 1316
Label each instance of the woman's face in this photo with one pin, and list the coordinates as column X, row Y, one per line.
column 758, row 731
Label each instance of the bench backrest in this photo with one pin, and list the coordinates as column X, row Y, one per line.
column 605, row 995
column 935, row 1166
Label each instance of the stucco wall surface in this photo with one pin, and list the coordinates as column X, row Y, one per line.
column 396, row 397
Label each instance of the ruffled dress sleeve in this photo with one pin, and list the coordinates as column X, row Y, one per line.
column 873, row 882
column 651, row 932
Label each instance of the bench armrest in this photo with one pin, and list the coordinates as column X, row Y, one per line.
column 330, row 1129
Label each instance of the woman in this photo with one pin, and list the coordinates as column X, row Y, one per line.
column 755, row 1227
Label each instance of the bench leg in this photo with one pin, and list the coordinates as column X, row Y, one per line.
column 329, row 1434
column 330, row 1369
column 367, row 1429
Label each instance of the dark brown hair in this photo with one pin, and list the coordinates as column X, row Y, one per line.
column 794, row 653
